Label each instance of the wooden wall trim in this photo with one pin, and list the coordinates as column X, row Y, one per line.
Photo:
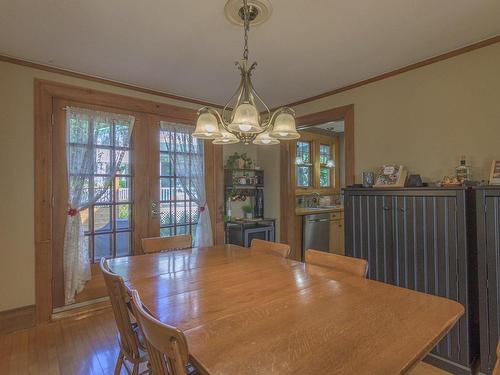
column 88, row 77
column 45, row 93
column 16, row 319
column 291, row 224
column 420, row 64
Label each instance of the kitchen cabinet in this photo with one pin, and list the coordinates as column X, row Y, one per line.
column 488, row 245
column 422, row 239
column 337, row 233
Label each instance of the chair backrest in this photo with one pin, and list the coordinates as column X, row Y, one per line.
column 157, row 244
column 496, row 370
column 354, row 266
column 282, row 249
column 120, row 303
column 166, row 345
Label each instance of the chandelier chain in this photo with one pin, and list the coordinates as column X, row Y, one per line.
column 246, row 13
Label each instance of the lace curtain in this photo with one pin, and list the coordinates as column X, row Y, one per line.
column 84, row 161
column 186, row 155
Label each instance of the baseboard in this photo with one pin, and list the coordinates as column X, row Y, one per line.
column 16, row 319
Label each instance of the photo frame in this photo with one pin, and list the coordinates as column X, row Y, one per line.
column 495, row 173
column 390, row 176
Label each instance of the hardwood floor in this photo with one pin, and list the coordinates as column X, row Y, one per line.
column 82, row 345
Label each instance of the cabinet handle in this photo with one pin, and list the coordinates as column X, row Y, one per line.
column 386, row 208
column 403, row 209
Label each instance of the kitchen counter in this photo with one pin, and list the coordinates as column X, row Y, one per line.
column 300, row 211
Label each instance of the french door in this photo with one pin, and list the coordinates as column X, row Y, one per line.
column 145, row 198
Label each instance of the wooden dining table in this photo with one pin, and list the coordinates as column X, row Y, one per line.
column 251, row 312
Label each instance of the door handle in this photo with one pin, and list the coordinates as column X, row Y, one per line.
column 155, row 209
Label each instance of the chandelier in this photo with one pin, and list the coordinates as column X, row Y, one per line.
column 245, row 117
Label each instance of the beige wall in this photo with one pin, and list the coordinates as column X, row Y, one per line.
column 17, row 171
column 426, row 118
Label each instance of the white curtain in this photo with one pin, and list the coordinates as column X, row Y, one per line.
column 85, row 131
column 186, row 156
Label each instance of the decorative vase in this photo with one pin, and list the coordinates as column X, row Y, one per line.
column 248, row 215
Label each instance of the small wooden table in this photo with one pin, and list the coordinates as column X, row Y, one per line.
column 250, row 312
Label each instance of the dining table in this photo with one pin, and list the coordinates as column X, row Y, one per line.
column 248, row 311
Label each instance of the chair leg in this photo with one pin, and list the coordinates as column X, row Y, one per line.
column 135, row 369
column 119, row 363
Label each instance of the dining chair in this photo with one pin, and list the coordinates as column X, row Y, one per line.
column 131, row 348
column 157, row 244
column 281, row 249
column 354, row 266
column 167, row 346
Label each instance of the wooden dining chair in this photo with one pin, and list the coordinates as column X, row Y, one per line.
column 166, row 345
column 281, row 249
column 354, row 266
column 157, row 244
column 131, row 348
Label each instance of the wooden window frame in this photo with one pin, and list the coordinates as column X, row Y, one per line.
column 315, row 141
column 46, row 92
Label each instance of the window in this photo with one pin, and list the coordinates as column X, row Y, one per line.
column 179, row 213
column 304, row 164
column 107, row 223
column 325, row 162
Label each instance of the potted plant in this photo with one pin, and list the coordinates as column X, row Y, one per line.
column 248, row 210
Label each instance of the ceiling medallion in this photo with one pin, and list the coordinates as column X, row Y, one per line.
column 245, row 117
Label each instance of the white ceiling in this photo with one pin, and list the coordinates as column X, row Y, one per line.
column 187, row 47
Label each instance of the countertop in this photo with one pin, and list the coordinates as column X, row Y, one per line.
column 308, row 211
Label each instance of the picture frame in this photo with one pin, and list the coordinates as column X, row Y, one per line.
column 495, row 173
column 390, row 176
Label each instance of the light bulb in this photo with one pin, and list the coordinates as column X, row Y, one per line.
column 245, row 127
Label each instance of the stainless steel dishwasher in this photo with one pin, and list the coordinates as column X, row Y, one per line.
column 316, row 232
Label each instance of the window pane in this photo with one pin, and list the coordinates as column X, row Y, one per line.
column 324, row 154
column 122, row 158
column 166, row 214
column 102, row 134
column 304, row 151
column 122, row 243
column 102, row 246
column 102, row 189
column 79, row 131
column 123, row 189
column 324, row 177
column 165, row 232
column 102, row 218
column 181, row 213
column 182, row 229
column 166, row 189
column 123, row 216
column 165, row 165
column 122, row 135
column 303, row 176
column 102, row 161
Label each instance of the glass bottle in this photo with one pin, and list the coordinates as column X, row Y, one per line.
column 463, row 171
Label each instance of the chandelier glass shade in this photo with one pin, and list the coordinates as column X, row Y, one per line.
column 246, row 117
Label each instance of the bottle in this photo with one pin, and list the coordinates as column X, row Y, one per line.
column 463, row 171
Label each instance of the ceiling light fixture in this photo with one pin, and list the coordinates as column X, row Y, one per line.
column 246, row 117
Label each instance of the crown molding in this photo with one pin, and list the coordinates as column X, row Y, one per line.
column 88, row 77
column 429, row 61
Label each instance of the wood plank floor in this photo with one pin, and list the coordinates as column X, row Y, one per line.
column 85, row 345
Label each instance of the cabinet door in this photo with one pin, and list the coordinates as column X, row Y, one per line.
column 426, row 253
column 369, row 233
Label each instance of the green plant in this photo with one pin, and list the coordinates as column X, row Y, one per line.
column 248, row 209
column 231, row 160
